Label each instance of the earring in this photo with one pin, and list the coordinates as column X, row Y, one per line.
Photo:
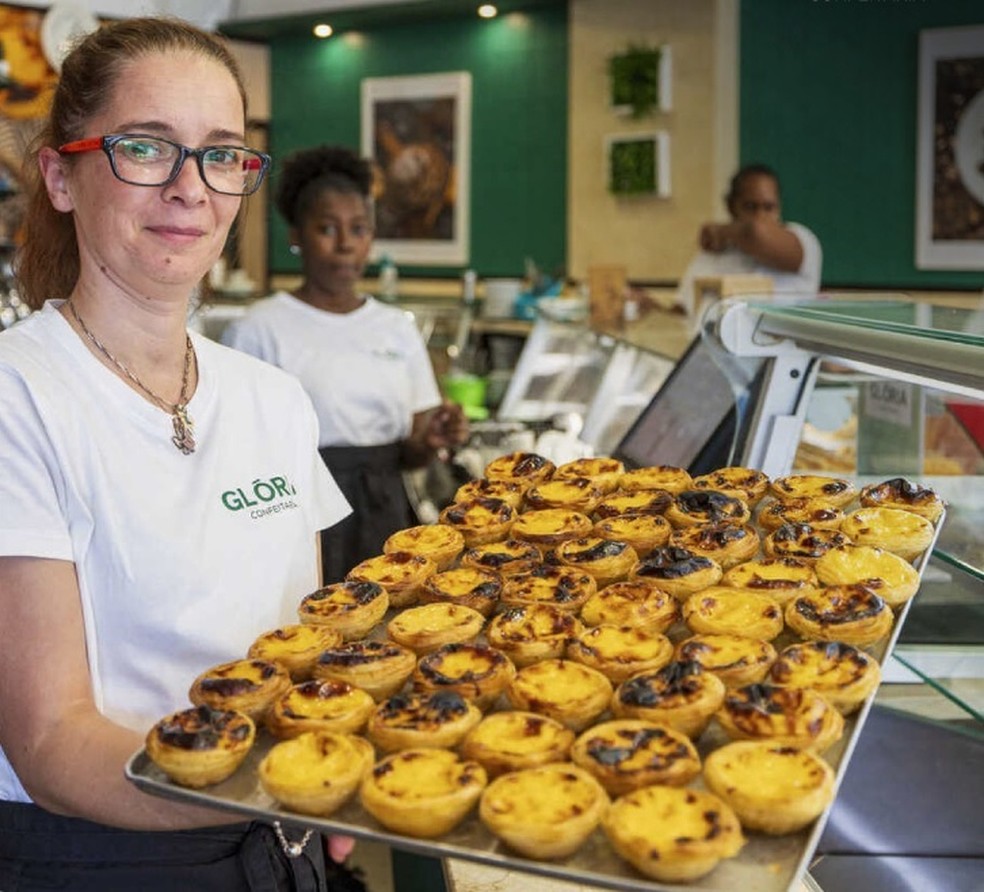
column 295, row 250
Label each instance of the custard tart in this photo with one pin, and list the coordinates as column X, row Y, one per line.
column 842, row 673
column 608, row 560
column 466, row 586
column 726, row 544
column 249, row 686
column 294, row 647
column 746, row 484
column 643, row 532
column 802, row 542
column 509, row 491
column 834, row 491
column 546, row 812
column 513, row 740
column 422, row 792
column 510, row 557
column 565, row 588
column 408, row 721
column 902, row 532
column 773, row 789
column 854, row 614
column 626, row 754
column 399, row 572
column 635, row 501
column 574, row 493
column 524, row 466
column 480, row 520
column 549, row 527
column 637, row 603
column 351, row 607
column 673, row 834
column 565, row 690
column 782, row 579
column 442, row 544
column 720, row 610
column 201, row 745
column 677, row 570
column 317, row 772
column 666, row 477
column 380, row 668
column 681, row 695
column 695, row 507
column 619, row 652
column 604, row 472
column 426, row 628
column 817, row 514
column 905, row 495
column 320, row 706
column 736, row 659
column 532, row 632
column 477, row 672
column 794, row 717
column 890, row 576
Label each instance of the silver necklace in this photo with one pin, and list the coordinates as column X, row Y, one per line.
column 184, row 427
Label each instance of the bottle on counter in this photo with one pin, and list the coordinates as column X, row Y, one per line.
column 389, row 279
column 468, row 282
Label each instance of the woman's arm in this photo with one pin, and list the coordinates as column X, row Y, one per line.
column 765, row 240
column 67, row 755
column 443, row 427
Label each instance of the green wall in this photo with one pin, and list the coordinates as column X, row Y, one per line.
column 519, row 121
column 828, row 97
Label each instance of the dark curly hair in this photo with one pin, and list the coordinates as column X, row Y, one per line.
column 749, row 170
column 309, row 172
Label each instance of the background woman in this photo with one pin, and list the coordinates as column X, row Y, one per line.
column 363, row 363
column 132, row 553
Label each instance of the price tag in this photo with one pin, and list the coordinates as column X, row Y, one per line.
column 890, row 428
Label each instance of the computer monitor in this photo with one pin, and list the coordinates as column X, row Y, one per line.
column 699, row 418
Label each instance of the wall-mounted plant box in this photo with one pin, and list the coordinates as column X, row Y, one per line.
column 638, row 164
column 640, row 80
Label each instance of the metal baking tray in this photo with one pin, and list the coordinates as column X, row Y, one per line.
column 765, row 864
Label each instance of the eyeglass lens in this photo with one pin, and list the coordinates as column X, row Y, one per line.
column 145, row 161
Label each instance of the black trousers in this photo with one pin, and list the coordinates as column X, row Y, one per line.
column 42, row 851
column 370, row 477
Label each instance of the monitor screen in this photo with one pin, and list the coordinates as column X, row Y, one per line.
column 692, row 421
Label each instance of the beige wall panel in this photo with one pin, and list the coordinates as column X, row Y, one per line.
column 653, row 238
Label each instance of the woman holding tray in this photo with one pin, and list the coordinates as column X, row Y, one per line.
column 151, row 525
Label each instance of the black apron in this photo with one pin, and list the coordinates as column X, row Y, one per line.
column 371, row 479
column 42, row 851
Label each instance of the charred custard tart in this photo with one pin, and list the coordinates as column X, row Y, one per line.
column 854, row 614
column 478, row 589
column 720, row 610
column 565, row 588
column 480, row 520
column 352, row 607
column 834, row 491
column 575, row 493
column 637, row 603
column 635, row 501
column 735, row 659
column 814, row 512
column 523, row 466
column 422, row 792
column 545, row 812
column 602, row 471
column 890, row 576
column 509, row 491
column 607, row 560
column 294, row 647
column 619, row 652
column 677, row 570
column 802, row 542
column 317, row 772
column 474, row 671
column 570, row 692
column 549, row 527
column 249, row 686
column 509, row 557
column 746, row 484
column 399, row 572
column 726, row 544
column 782, row 579
column 905, row 495
column 643, row 532
column 378, row 667
column 673, row 834
column 666, row 477
column 695, row 507
column 435, row 719
column 626, row 754
column 902, row 532
column 842, row 673
column 532, row 632
column 442, row 544
column 513, row 740
column 320, row 706
column 201, row 745
column 426, row 628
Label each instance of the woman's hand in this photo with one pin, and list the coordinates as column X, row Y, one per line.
column 447, row 427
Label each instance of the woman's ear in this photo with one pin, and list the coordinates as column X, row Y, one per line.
column 53, row 171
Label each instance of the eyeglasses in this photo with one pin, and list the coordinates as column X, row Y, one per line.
column 152, row 161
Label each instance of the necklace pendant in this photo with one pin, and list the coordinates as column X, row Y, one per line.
column 184, row 430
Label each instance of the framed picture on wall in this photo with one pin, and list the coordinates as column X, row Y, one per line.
column 638, row 164
column 950, row 150
column 417, row 131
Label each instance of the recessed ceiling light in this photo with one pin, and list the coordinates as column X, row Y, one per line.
column 487, row 11
column 322, row 30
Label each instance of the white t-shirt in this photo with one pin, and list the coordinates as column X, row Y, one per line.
column 182, row 560
column 805, row 281
column 367, row 372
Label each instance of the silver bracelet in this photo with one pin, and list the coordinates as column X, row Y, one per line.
column 291, row 849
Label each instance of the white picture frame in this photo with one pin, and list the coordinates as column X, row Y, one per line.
column 950, row 149
column 417, row 131
column 660, row 140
